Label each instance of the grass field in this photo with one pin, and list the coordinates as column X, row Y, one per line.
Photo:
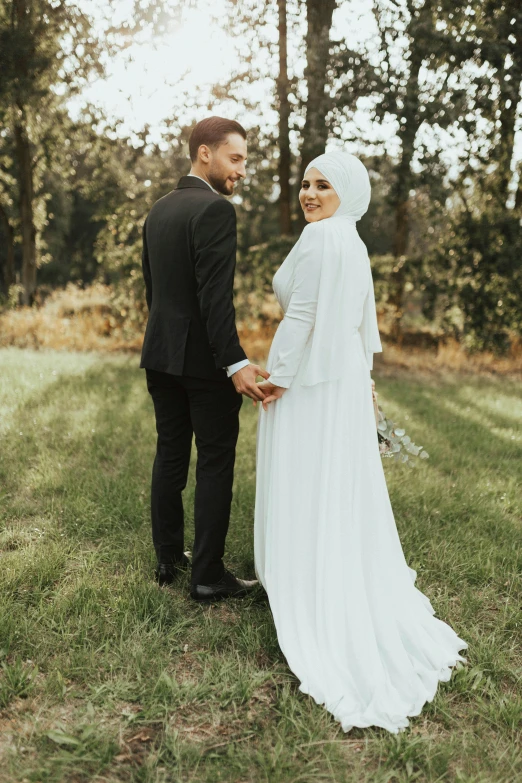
column 106, row 677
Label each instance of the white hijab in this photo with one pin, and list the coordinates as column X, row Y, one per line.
column 345, row 262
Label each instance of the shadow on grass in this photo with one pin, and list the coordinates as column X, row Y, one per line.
column 458, row 514
column 87, row 457
column 81, row 477
column 430, row 407
column 78, row 599
column 87, row 451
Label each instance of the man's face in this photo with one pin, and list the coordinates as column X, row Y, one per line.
column 226, row 163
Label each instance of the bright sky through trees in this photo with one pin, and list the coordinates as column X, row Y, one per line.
column 146, row 83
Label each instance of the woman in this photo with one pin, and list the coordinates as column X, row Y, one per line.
column 356, row 632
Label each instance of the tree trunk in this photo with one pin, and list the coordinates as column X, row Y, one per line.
column 510, row 91
column 409, row 125
column 505, row 24
column 8, row 272
column 319, row 21
column 26, row 197
column 285, row 214
column 21, row 20
column 401, row 206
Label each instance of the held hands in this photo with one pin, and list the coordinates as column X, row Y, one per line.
column 244, row 381
column 273, row 393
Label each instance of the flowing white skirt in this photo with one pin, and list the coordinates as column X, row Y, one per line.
column 360, row 637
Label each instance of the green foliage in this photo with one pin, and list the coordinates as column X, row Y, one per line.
column 256, row 203
column 439, row 71
column 132, row 181
column 47, row 52
column 255, row 270
column 480, row 268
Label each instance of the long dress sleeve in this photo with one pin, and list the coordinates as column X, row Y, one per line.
column 299, row 319
column 369, row 329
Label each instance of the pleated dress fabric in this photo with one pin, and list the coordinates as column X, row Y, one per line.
column 359, row 636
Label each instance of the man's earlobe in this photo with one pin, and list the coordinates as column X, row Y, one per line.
column 204, row 153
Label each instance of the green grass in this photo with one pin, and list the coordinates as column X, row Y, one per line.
column 106, row 677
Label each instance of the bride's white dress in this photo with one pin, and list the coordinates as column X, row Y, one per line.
column 359, row 636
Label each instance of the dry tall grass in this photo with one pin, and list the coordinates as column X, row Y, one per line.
column 449, row 355
column 88, row 320
column 70, row 319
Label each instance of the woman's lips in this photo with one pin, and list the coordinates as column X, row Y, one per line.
column 311, row 207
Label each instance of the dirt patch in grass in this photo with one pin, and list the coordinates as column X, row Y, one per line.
column 135, row 746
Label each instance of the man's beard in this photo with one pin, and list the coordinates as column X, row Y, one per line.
column 220, row 184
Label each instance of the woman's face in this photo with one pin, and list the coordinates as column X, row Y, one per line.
column 317, row 197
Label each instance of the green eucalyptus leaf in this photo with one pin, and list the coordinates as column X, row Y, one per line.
column 399, row 445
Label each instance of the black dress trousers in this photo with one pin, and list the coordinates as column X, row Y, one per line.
column 209, row 409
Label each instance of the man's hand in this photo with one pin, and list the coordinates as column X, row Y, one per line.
column 245, row 381
column 272, row 391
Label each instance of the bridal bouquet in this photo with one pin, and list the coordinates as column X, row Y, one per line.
column 393, row 441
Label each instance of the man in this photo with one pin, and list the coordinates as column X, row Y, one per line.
column 196, row 368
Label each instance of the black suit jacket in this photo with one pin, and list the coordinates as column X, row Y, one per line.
column 189, row 259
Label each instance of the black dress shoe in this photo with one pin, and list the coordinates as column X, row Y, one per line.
column 167, row 573
column 229, row 586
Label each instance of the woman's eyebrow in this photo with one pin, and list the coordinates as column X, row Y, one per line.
column 323, row 180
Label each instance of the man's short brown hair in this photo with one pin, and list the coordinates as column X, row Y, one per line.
column 212, row 132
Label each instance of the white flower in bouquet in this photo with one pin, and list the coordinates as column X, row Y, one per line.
column 393, row 440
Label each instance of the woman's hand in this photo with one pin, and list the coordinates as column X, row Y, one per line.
column 271, row 391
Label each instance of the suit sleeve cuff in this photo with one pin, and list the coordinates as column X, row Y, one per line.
column 233, row 368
